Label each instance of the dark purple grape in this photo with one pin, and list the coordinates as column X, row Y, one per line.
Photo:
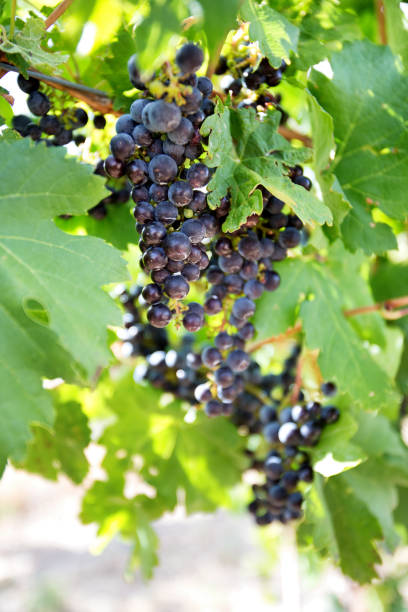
column 134, row 73
column 299, row 414
column 268, row 414
column 268, row 247
column 228, row 394
column 204, row 261
column 249, row 270
column 205, row 86
column 192, row 101
column 191, row 272
column 161, row 116
column 183, row 133
column 122, row 146
column 162, row 169
column 114, row 167
column 247, row 331
column 177, row 246
column 194, row 229
column 290, row 237
column 211, row 225
column 166, row 213
column 154, row 258
column 238, row 360
column 143, row 212
column 211, row 357
column 34, row 132
column 329, row 389
column 192, row 322
column 125, row 124
column 213, row 305
column 136, row 170
column 273, row 467
column 202, row 393
column 230, row 264
column 142, row 136
column 222, row 65
column 136, row 109
column 223, row 341
column 63, row 137
column 330, row 414
column 233, row 283
column 38, row 103
column 306, row 474
column 154, row 233
column 158, row 193
column 250, row 248
column 199, row 202
column 303, row 181
column 214, row 275
column 238, row 323
column 159, row 315
column 189, row 57
column 50, row 125
column 310, row 432
column 180, row 193
column 159, row 276
column 174, row 266
column 271, row 280
column 176, row 286
column 243, row 308
column 174, row 150
column 195, row 255
column 207, row 106
column 156, row 148
column 289, row 433
column 270, row 432
column 198, row 175
column 224, row 376
column 29, row 85
column 213, row 408
column 223, row 246
column 197, row 119
column 152, row 293
column 99, row 122
column 253, row 289
column 140, row 194
column 278, row 495
column 314, row 409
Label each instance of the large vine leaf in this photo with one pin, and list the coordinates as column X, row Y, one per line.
column 311, row 292
column 27, row 45
column 338, row 523
column 57, row 278
column 366, row 98
column 276, row 36
column 241, row 147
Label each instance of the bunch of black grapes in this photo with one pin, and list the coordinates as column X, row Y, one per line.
column 260, row 407
column 55, row 130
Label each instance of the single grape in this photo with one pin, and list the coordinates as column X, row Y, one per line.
column 165, row 212
column 303, row 181
column 310, row 432
column 213, row 408
column 243, row 308
column 189, row 57
column 125, row 124
column 159, row 315
column 194, row 229
column 192, row 322
column 306, row 474
column 290, row 237
column 271, row 280
column 199, row 202
column 114, row 167
column 330, row 414
column 192, row 101
column 161, row 116
column 122, row 146
column 250, row 248
column 273, row 467
column 154, row 233
column 268, row 414
column 211, row 357
column 50, row 125
column 142, row 136
column 253, row 289
column 99, row 122
column 177, row 246
column 29, row 85
column 136, row 170
column 152, row 293
column 230, row 264
column 213, row 305
column 174, row 150
column 140, row 194
column 180, row 193
column 238, row 360
column 157, row 193
column 270, row 432
column 154, row 258
column 211, row 225
column 289, row 433
column 191, row 272
column 143, row 212
column 136, row 109
column 278, row 495
column 223, row 246
column 134, row 73
column 183, row 132
column 329, row 389
column 247, row 331
column 162, row 169
column 224, row 376
column 176, row 286
column 223, row 341
column 38, row 103
column 233, row 283
column 198, row 175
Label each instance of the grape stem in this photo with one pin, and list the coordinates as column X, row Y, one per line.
column 13, row 17
column 389, row 309
column 56, row 13
column 380, row 10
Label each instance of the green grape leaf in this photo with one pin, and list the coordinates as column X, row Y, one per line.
column 401, row 511
column 218, row 19
column 158, row 32
column 396, row 28
column 60, row 450
column 366, row 98
column 240, row 147
column 27, row 46
column 276, row 36
column 342, row 357
column 117, row 228
column 62, row 273
column 114, row 68
column 338, row 523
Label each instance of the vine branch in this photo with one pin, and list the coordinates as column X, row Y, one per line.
column 390, row 310
column 57, row 12
column 382, row 31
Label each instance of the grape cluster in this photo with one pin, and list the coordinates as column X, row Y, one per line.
column 55, row 130
column 155, row 146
